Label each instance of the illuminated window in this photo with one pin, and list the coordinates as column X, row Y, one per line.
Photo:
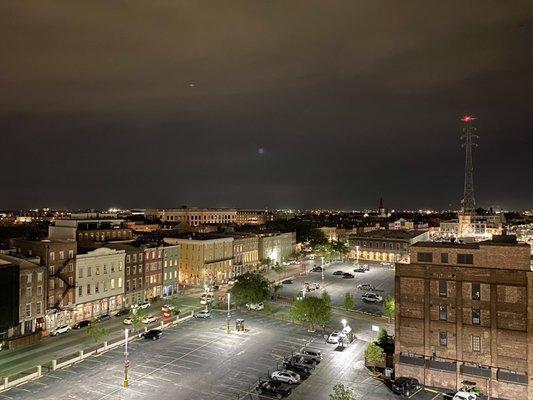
column 476, row 316
column 443, row 313
column 476, row 344
column 476, row 291
column 443, row 292
column 443, row 339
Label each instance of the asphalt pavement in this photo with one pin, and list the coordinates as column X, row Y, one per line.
column 379, row 276
column 199, row 360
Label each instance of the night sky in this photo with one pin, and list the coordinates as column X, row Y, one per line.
column 278, row 103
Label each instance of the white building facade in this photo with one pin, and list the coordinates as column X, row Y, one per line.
column 99, row 282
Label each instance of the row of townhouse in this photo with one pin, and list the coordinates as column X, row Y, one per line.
column 60, row 283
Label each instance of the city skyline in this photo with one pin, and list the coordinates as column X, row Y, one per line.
column 249, row 104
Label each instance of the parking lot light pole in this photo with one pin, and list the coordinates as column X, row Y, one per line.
column 126, row 361
column 322, row 268
column 357, row 255
column 344, row 322
column 229, row 315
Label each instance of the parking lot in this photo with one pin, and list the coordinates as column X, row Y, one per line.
column 199, row 360
column 381, row 277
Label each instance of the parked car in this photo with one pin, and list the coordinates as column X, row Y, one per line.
column 103, row 317
column 255, row 306
column 60, row 330
column 286, row 376
column 206, row 300
column 287, row 282
column 301, row 370
column 168, row 307
column 317, row 269
column 124, row 311
column 339, row 272
column 232, row 282
column 302, row 360
column 273, row 388
column 365, row 286
column 359, row 269
column 335, row 337
column 372, row 297
column 465, row 396
column 81, row 324
column 347, row 275
column 314, row 354
column 405, row 386
column 144, row 305
column 127, row 321
column 149, row 319
column 202, row 314
column 152, row 334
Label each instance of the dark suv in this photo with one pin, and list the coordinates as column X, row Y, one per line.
column 405, row 386
column 273, row 388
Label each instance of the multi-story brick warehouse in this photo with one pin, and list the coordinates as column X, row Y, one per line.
column 59, row 259
column 465, row 312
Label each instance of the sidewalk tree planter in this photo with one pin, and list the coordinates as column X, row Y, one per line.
column 97, row 333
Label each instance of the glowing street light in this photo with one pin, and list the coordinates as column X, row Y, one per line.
column 344, row 322
column 126, row 361
column 229, row 314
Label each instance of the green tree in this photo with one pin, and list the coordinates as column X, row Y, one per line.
column 389, row 307
column 175, row 302
column 313, row 311
column 275, row 289
column 385, row 341
column 340, row 392
column 250, row 287
column 349, row 301
column 97, row 332
column 307, row 233
column 374, row 355
column 136, row 319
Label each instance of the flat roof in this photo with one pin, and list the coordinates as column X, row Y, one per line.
column 389, row 234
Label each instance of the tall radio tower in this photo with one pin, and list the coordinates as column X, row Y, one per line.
column 468, row 202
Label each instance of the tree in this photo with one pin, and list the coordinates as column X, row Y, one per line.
column 389, row 307
column 307, row 233
column 175, row 302
column 326, row 297
column 276, row 288
column 349, row 301
column 136, row 319
column 312, row 311
column 385, row 341
column 97, row 332
column 250, row 288
column 374, row 355
column 340, row 392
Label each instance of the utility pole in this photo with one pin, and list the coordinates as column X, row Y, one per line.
column 468, row 137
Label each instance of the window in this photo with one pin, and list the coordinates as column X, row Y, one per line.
column 112, row 284
column 443, row 339
column 28, row 278
column 127, row 270
column 140, row 257
column 52, row 270
column 89, row 288
column 70, row 280
column 443, row 312
column 39, row 276
column 119, row 282
column 476, row 316
column 97, row 287
column 39, row 290
column 476, row 291
column 112, row 268
column 38, row 307
column 70, row 267
column 105, row 269
column 134, row 270
column 444, row 258
column 52, row 256
column 120, row 265
column 71, row 254
column 166, row 276
column 89, row 271
column 61, row 255
column 140, row 269
column 476, row 343
column 97, row 270
column 105, row 286
column 424, row 257
column 134, row 257
column 80, row 272
column 27, row 312
column 465, row 259
column 128, row 258
column 51, row 284
column 80, row 291
column 127, row 288
column 443, row 289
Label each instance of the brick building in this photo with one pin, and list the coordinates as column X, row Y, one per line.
column 153, row 272
column 133, row 273
column 465, row 312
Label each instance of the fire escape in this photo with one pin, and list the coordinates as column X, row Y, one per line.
column 68, row 286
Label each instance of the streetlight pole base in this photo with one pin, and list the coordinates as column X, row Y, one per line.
column 126, row 383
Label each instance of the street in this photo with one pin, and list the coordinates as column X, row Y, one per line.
column 381, row 277
column 199, row 360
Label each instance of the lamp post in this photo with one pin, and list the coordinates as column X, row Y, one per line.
column 229, row 315
column 126, row 361
column 344, row 322
column 357, row 255
column 322, row 258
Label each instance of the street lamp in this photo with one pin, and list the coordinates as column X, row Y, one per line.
column 322, row 268
column 357, row 254
column 229, row 315
column 126, row 361
column 344, row 322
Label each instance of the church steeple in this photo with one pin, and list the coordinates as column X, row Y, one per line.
column 381, row 210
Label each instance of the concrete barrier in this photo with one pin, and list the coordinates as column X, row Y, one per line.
column 7, row 384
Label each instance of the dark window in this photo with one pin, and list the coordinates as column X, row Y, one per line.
column 425, row 257
column 443, row 292
column 443, row 339
column 443, row 313
column 476, row 316
column 476, row 291
column 465, row 259
column 444, row 258
column 476, row 343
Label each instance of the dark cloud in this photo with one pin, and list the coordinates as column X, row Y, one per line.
column 163, row 103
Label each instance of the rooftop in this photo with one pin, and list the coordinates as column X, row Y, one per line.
column 389, row 234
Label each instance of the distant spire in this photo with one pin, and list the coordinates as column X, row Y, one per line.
column 381, row 203
column 468, row 202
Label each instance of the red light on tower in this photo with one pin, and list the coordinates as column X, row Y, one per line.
column 467, row 119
